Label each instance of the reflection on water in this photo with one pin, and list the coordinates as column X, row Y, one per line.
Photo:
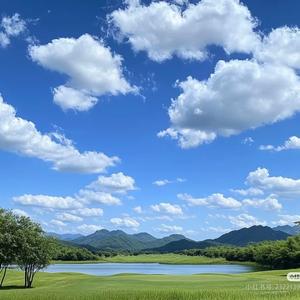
column 105, row 269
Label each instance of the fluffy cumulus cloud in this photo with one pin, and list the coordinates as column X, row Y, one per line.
column 160, row 28
column 248, row 192
column 168, row 208
column 21, row 136
column 78, row 202
column 67, row 217
column 88, row 212
column 213, row 201
column 92, row 68
column 269, row 203
column 50, row 202
column 245, row 220
column 116, row 183
column 57, row 223
column 11, row 26
column 125, row 222
column 170, row 228
column 292, row 143
column 278, row 185
column 203, row 110
column 281, row 46
column 90, row 196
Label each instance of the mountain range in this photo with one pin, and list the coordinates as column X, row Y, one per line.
column 119, row 240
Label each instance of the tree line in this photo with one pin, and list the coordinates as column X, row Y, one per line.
column 271, row 254
column 23, row 244
column 71, row 253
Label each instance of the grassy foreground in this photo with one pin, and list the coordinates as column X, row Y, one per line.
column 66, row 286
column 155, row 258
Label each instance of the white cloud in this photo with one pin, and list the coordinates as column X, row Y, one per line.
column 20, row 212
column 281, row 186
column 88, row 212
column 245, row 220
column 93, row 193
column 92, row 69
column 204, row 109
column 89, row 196
column 281, row 46
column 269, row 203
column 160, row 218
column 69, row 98
column 57, row 223
column 168, row 208
column 214, row 201
column 88, row 228
column 48, row 201
column 66, row 217
column 161, row 28
column 248, row 192
column 287, row 220
column 116, row 183
column 293, row 143
column 21, row 136
column 4, row 40
column 163, row 182
column 248, row 140
column 126, row 222
column 170, row 228
column 138, row 209
column 11, row 27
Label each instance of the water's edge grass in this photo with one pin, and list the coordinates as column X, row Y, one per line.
column 269, row 285
column 174, row 259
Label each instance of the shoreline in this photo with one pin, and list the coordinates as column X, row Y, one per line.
column 164, row 259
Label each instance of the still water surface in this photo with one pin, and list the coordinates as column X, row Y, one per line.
column 105, row 269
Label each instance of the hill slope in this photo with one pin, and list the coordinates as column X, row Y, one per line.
column 184, row 245
column 254, row 234
column 65, row 236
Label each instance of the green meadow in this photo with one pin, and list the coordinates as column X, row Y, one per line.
column 64, row 286
column 155, row 258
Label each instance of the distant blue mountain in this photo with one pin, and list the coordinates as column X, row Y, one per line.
column 65, row 236
column 292, row 230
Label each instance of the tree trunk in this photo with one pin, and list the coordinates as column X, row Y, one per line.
column 25, row 277
column 29, row 276
column 4, row 269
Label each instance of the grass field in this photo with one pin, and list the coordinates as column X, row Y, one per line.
column 156, row 258
column 65, row 286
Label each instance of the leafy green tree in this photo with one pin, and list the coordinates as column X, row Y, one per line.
column 35, row 250
column 8, row 244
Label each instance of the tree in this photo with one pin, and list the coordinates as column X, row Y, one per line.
column 35, row 249
column 8, row 243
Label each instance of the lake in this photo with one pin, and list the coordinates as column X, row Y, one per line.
column 106, row 269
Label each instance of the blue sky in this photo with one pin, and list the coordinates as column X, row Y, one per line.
column 89, row 137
